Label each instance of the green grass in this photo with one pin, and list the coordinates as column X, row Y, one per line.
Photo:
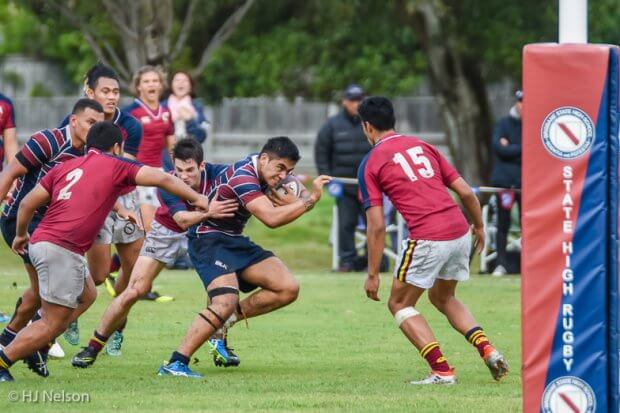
column 332, row 350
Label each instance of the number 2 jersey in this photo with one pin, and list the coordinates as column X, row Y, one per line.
column 414, row 176
column 82, row 193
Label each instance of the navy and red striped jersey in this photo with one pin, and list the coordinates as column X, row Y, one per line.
column 171, row 204
column 7, row 121
column 240, row 182
column 43, row 151
column 131, row 130
column 82, row 194
column 156, row 126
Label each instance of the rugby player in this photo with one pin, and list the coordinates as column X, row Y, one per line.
column 435, row 257
column 80, row 193
column 42, row 152
column 164, row 242
column 228, row 262
column 101, row 84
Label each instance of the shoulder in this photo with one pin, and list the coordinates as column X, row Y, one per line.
column 5, row 100
column 131, row 107
column 127, row 121
column 120, row 160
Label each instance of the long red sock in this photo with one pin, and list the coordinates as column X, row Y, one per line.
column 432, row 353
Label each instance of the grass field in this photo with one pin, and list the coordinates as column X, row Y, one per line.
column 332, row 350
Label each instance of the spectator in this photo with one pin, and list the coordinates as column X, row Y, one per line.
column 338, row 151
column 187, row 113
column 507, row 174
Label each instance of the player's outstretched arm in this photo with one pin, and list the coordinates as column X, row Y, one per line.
column 217, row 209
column 472, row 206
column 10, row 144
column 273, row 217
column 13, row 171
column 148, row 176
column 375, row 233
column 34, row 200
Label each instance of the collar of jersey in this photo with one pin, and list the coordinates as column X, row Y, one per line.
column 149, row 110
column 387, row 138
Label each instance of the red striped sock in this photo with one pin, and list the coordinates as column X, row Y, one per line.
column 97, row 341
column 478, row 338
column 432, row 353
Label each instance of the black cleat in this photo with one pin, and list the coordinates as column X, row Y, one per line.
column 85, row 358
column 5, row 375
column 37, row 362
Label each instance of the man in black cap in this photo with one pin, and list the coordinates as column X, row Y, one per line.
column 507, row 174
column 339, row 149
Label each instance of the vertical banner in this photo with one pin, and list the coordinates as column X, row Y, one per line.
column 568, row 156
column 614, row 284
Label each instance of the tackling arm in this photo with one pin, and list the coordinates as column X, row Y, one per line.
column 148, row 176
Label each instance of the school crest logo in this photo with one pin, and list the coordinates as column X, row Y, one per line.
column 567, row 132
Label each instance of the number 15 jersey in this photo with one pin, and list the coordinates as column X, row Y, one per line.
column 414, row 176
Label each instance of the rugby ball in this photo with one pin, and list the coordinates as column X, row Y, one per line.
column 289, row 184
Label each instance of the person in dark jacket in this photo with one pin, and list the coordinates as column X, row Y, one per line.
column 339, row 149
column 507, row 174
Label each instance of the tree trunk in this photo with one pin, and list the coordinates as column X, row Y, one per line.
column 460, row 89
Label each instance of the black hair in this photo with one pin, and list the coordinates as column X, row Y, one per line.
column 378, row 111
column 103, row 135
column 188, row 148
column 96, row 72
column 83, row 104
column 281, row 147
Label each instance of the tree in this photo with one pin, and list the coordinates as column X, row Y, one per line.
column 468, row 44
column 129, row 34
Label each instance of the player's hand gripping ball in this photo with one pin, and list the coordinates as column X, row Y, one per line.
column 288, row 191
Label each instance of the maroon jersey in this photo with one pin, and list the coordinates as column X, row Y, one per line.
column 156, row 127
column 7, row 121
column 82, row 194
column 414, row 176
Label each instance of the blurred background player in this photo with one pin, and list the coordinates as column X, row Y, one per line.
column 507, row 174
column 8, row 134
column 158, row 131
column 8, row 147
column 339, row 148
column 227, row 261
column 435, row 257
column 80, row 193
column 101, row 84
column 164, row 242
column 43, row 151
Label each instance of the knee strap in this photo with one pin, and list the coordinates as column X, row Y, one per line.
column 404, row 313
column 219, row 318
column 221, row 291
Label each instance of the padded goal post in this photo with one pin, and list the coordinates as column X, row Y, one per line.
column 570, row 228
